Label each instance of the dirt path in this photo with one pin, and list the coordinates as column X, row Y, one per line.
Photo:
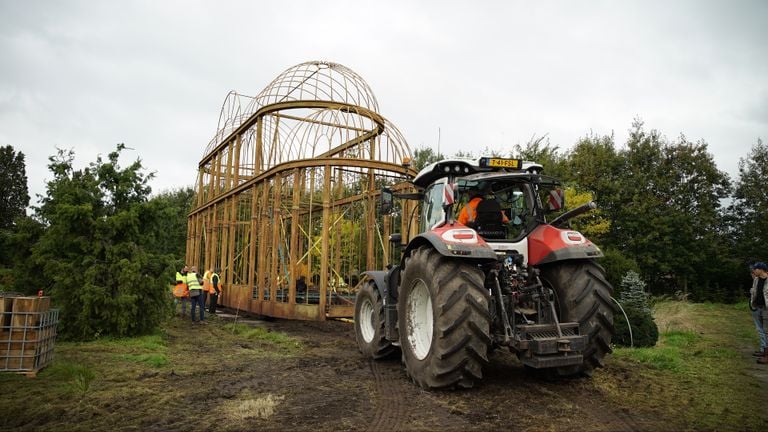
column 337, row 389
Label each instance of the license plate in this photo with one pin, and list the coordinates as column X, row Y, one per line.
column 504, row 163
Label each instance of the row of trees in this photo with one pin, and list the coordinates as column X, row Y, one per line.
column 97, row 243
column 665, row 210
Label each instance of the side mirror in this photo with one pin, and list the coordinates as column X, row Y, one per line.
column 386, row 201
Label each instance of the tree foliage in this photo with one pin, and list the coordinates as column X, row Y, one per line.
column 634, row 301
column 14, row 195
column 96, row 249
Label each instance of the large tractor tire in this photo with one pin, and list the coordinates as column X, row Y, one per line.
column 444, row 320
column 583, row 295
column 369, row 323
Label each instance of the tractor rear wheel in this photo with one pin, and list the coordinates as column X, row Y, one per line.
column 583, row 295
column 369, row 323
column 444, row 320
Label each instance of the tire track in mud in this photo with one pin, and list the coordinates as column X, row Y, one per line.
column 389, row 403
column 608, row 418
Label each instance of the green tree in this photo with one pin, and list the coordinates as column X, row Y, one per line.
column 423, row 156
column 14, row 195
column 18, row 271
column 747, row 213
column 169, row 235
column 666, row 213
column 95, row 248
column 540, row 150
column 594, row 165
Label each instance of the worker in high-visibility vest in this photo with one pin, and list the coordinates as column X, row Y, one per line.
column 206, row 285
column 180, row 291
column 215, row 291
column 468, row 213
column 195, row 285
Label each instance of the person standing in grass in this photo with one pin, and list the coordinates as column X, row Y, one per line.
column 215, row 291
column 180, row 291
column 758, row 298
column 195, row 285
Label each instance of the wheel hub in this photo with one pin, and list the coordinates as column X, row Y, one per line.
column 419, row 314
column 367, row 329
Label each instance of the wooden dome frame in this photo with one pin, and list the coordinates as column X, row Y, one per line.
column 288, row 187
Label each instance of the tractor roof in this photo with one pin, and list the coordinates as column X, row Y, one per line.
column 462, row 167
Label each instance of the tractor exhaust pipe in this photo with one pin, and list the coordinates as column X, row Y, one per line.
column 578, row 211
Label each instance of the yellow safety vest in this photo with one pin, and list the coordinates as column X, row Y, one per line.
column 192, row 281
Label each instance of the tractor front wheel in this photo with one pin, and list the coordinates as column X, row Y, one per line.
column 444, row 320
column 583, row 295
column 369, row 323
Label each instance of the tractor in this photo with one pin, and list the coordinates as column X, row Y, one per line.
column 506, row 277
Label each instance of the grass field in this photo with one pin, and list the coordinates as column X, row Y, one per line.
column 701, row 369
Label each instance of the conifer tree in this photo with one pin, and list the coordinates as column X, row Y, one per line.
column 634, row 301
column 96, row 249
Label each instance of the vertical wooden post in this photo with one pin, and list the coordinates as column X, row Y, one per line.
column 228, row 175
column 337, row 233
column 261, row 276
column 276, row 223
column 201, row 195
column 253, row 237
column 236, row 181
column 225, row 264
column 257, row 163
column 229, row 274
column 326, row 227
column 294, row 249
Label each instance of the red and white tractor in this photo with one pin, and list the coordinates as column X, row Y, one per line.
column 505, row 278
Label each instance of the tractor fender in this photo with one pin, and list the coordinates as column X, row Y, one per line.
column 386, row 283
column 548, row 244
column 455, row 241
column 379, row 278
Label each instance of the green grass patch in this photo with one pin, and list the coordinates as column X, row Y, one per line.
column 153, row 360
column 667, row 358
column 703, row 364
column 679, row 339
column 153, row 342
column 260, row 334
column 71, row 377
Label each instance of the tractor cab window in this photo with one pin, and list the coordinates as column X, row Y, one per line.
column 432, row 208
column 499, row 211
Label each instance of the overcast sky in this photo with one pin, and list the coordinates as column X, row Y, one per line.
column 87, row 75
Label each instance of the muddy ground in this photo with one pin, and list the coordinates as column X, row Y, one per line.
column 332, row 387
column 208, row 377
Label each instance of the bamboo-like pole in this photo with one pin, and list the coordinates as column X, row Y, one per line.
column 324, row 244
column 263, row 268
column 230, row 273
column 274, row 267
column 294, row 248
column 253, row 238
column 236, row 181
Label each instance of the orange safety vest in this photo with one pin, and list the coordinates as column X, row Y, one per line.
column 207, row 286
column 469, row 212
column 211, row 289
column 181, row 289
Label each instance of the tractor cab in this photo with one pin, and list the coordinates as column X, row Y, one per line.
column 500, row 199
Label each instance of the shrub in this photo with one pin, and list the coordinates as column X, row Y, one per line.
column 634, row 301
